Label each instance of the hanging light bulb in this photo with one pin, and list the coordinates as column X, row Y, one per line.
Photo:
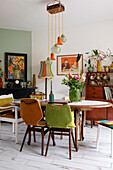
column 56, row 49
column 63, row 37
column 52, row 56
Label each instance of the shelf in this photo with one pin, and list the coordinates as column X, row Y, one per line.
column 101, row 72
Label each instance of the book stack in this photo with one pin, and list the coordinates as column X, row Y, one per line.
column 108, row 94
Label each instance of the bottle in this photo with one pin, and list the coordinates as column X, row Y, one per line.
column 51, row 95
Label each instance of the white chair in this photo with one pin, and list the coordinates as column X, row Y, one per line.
column 105, row 124
column 9, row 113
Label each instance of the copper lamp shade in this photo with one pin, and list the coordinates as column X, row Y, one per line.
column 52, row 56
column 59, row 41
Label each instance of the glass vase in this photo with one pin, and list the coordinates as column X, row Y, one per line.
column 74, row 95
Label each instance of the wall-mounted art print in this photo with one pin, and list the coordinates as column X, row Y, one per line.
column 16, row 66
column 68, row 64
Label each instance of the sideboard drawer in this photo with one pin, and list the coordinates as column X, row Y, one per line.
column 95, row 92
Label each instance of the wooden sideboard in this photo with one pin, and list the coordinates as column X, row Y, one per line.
column 18, row 92
column 95, row 83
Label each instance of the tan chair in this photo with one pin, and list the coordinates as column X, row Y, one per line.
column 31, row 113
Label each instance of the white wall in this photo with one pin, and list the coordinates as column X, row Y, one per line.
column 80, row 39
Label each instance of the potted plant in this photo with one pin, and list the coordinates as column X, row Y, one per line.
column 90, row 68
column 75, row 83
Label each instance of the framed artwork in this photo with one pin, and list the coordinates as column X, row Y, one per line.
column 68, row 64
column 16, row 66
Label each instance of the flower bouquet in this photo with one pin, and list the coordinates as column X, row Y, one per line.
column 75, row 83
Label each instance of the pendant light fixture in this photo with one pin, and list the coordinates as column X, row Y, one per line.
column 55, row 49
column 59, row 42
column 52, row 54
column 63, row 37
column 48, row 60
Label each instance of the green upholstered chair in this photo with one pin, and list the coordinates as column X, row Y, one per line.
column 60, row 119
column 107, row 124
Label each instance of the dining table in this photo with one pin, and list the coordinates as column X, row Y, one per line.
column 83, row 105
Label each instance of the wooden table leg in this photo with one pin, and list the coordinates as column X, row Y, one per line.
column 76, row 129
column 83, row 123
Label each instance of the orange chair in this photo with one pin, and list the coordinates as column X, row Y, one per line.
column 31, row 113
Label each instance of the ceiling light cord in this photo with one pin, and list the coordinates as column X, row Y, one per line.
column 62, row 23
column 59, row 24
column 48, row 35
column 52, row 30
column 55, row 28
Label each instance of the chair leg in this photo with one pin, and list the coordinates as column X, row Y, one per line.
column 98, row 134
column 24, row 138
column 61, row 136
column 34, row 136
column 112, row 143
column 29, row 141
column 53, row 139
column 70, row 144
column 73, row 138
column 42, row 141
column 48, row 142
column 13, row 127
column 80, row 124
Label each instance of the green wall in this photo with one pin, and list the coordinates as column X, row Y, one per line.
column 16, row 41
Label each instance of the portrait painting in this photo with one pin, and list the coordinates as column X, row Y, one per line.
column 68, row 64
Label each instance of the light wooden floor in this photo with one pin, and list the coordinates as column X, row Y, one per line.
column 88, row 157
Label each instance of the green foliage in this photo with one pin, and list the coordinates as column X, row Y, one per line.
column 75, row 82
column 78, row 57
column 95, row 52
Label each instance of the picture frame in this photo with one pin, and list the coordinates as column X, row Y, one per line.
column 16, row 66
column 68, row 64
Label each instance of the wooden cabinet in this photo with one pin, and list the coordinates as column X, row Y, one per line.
column 95, row 90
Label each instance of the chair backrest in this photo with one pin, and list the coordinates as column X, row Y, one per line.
column 58, row 116
column 30, row 111
column 5, row 100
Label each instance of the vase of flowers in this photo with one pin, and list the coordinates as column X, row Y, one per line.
column 75, row 83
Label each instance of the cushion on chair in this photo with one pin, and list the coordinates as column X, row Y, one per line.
column 9, row 115
column 72, row 124
column 5, row 100
column 59, row 116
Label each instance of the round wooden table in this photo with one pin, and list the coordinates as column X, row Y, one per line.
column 85, row 105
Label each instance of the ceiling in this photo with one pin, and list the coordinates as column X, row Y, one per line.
column 32, row 14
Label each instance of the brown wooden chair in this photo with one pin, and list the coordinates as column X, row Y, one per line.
column 59, row 119
column 31, row 113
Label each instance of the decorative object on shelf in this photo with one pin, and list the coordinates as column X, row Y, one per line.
column 8, row 85
column 45, row 72
column 51, row 95
column 39, row 96
column 111, row 67
column 34, row 80
column 98, row 56
column 75, row 83
column 28, row 83
column 24, row 84
column 69, row 64
column 106, row 68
